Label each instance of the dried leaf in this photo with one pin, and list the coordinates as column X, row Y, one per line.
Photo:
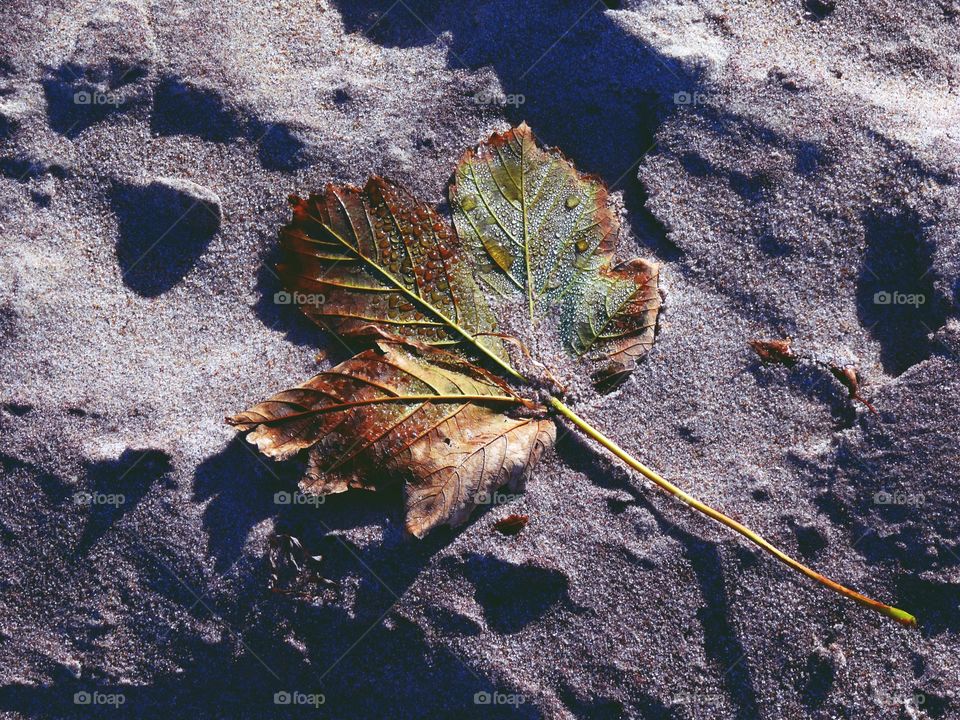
column 408, row 412
column 850, row 379
column 511, row 524
column 540, row 230
column 294, row 572
column 378, row 264
column 775, row 352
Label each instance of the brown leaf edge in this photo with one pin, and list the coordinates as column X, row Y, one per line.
column 360, row 430
column 636, row 323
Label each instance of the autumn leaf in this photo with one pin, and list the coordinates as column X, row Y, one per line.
column 410, row 413
column 435, row 401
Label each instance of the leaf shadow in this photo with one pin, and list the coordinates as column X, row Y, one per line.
column 372, row 573
column 276, row 310
column 220, row 646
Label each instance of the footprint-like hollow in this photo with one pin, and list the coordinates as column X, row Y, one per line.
column 896, row 298
column 513, row 596
column 164, row 227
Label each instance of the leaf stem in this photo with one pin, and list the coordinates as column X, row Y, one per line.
column 900, row 616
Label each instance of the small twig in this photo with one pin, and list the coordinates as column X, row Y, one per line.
column 780, row 352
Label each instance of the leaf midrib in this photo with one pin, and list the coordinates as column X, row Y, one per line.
column 420, row 398
column 452, row 324
column 526, row 239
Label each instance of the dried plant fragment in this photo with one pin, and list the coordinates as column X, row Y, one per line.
column 775, row 352
column 293, row 571
column 511, row 524
column 780, row 352
column 850, row 379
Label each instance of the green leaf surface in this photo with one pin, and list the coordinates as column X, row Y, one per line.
column 539, row 229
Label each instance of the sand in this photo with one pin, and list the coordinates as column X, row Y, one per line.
column 786, row 161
